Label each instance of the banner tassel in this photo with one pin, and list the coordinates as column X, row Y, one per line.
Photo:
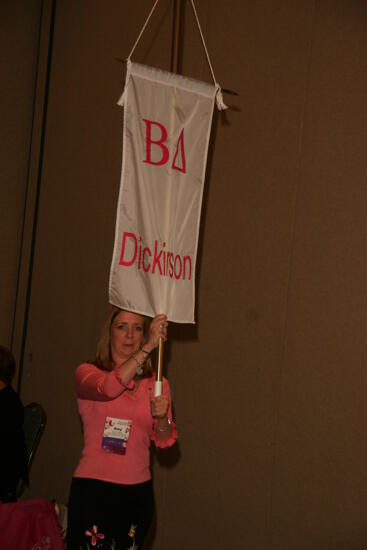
column 221, row 106
column 121, row 101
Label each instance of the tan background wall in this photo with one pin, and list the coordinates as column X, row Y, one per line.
column 269, row 386
column 19, row 43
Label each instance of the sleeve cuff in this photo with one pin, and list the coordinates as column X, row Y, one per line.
column 164, row 443
column 129, row 386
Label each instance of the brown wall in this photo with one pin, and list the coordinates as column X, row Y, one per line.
column 19, row 42
column 269, row 385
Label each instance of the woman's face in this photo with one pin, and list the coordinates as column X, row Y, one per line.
column 126, row 335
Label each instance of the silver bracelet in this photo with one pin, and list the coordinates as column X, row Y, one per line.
column 165, row 429
column 139, row 365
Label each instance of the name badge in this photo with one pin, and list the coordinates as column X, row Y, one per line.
column 116, row 435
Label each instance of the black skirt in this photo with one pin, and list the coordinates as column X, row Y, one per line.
column 108, row 515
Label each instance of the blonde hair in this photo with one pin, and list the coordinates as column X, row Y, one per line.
column 103, row 358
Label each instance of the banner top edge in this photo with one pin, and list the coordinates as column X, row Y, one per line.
column 165, row 77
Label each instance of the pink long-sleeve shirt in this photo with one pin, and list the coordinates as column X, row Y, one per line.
column 101, row 394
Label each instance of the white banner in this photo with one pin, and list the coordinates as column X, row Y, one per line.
column 167, row 123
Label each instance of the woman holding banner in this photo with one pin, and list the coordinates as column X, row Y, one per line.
column 111, row 496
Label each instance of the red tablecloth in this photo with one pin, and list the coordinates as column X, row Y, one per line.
column 29, row 525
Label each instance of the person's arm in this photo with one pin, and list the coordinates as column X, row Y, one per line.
column 96, row 384
column 164, row 429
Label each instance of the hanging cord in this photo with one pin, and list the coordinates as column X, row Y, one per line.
column 121, row 101
column 203, row 41
column 219, row 97
column 143, row 29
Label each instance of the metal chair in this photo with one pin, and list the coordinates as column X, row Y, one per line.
column 35, row 419
column 34, row 424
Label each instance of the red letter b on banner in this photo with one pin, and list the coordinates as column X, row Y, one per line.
column 159, row 143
